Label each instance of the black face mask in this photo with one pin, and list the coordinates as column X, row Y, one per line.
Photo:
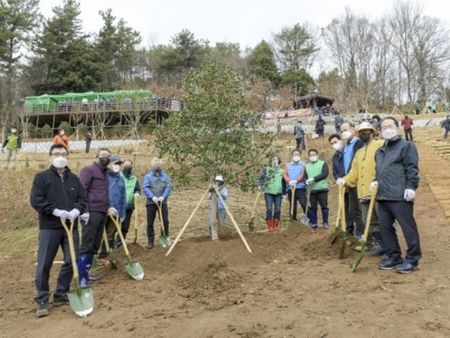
column 104, row 161
column 127, row 171
column 365, row 137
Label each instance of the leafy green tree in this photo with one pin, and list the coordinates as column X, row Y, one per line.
column 228, row 53
column 216, row 135
column 261, row 64
column 298, row 81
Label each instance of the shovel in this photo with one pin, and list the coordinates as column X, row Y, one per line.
column 305, row 219
column 292, row 208
column 133, row 268
column 108, row 252
column 251, row 225
column 338, row 220
column 81, row 300
column 135, row 219
column 343, row 222
column 163, row 239
column 366, row 230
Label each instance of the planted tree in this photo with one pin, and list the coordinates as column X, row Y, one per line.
column 216, row 135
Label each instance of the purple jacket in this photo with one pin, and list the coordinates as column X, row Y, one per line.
column 94, row 180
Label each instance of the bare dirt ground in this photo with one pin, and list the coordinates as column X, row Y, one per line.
column 292, row 285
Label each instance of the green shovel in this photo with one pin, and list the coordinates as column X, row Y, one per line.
column 81, row 300
column 133, row 268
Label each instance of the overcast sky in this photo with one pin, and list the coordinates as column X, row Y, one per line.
column 244, row 21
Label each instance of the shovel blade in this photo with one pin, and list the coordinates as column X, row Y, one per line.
column 304, row 220
column 81, row 301
column 164, row 241
column 135, row 270
column 251, row 227
column 344, row 245
column 360, row 256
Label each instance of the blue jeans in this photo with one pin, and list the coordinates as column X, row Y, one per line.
column 222, row 215
column 271, row 202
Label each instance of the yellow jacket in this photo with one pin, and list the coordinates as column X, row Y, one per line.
column 362, row 172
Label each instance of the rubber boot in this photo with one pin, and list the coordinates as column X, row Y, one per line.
column 275, row 224
column 84, row 279
column 313, row 219
column 89, row 260
column 325, row 214
column 380, row 250
column 269, row 223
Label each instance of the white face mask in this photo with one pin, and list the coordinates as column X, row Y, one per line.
column 61, row 132
column 337, row 146
column 116, row 168
column 313, row 158
column 59, row 162
column 275, row 162
column 389, row 134
column 13, row 131
column 346, row 135
column 296, row 159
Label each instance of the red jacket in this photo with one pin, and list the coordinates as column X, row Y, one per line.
column 407, row 122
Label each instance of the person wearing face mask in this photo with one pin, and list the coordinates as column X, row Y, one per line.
column 56, row 193
column 62, row 138
column 299, row 135
column 157, row 190
column 133, row 190
column 117, row 200
column 12, row 143
column 342, row 161
column 397, row 178
column 293, row 175
column 361, row 175
column 221, row 208
column 273, row 184
column 316, row 177
column 95, row 181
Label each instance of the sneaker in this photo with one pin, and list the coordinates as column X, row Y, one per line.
column 407, row 267
column 377, row 252
column 42, row 309
column 149, row 245
column 389, row 264
column 325, row 226
column 385, row 257
column 60, row 300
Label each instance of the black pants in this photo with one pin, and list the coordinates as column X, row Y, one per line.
column 408, row 135
column 299, row 144
column 92, row 233
column 88, row 146
column 50, row 240
column 319, row 198
column 300, row 196
column 402, row 211
column 126, row 223
column 354, row 210
column 320, row 132
column 152, row 210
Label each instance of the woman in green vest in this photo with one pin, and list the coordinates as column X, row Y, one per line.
column 316, row 180
column 132, row 191
column 272, row 183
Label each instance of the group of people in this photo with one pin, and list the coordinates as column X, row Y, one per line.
column 102, row 196
column 365, row 158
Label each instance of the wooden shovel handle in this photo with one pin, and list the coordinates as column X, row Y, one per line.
column 369, row 213
column 73, row 257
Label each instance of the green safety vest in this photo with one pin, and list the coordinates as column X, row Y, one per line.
column 313, row 169
column 273, row 181
column 130, row 185
column 13, row 142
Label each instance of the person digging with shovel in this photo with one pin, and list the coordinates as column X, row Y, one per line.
column 293, row 175
column 56, row 194
column 157, row 190
column 316, row 178
column 274, row 186
column 222, row 212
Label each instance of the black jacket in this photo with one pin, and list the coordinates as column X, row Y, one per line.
column 337, row 160
column 50, row 192
column 396, row 169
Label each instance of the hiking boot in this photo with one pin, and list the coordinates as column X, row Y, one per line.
column 60, row 300
column 42, row 309
column 385, row 257
column 406, row 267
column 150, row 245
column 389, row 264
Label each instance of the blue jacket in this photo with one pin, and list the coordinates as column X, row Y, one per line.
column 117, row 193
column 338, row 160
column 156, row 185
column 224, row 194
column 295, row 172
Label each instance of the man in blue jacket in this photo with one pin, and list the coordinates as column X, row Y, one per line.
column 397, row 178
column 157, row 190
column 56, row 193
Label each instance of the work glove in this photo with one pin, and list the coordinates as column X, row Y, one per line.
column 112, row 211
column 73, row 214
column 340, row 181
column 121, row 219
column 260, row 187
column 64, row 214
column 373, row 185
column 409, row 195
column 283, row 199
column 293, row 184
column 85, row 218
column 161, row 199
column 136, row 195
column 155, row 199
column 309, row 181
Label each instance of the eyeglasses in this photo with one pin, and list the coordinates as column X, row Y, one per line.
column 59, row 154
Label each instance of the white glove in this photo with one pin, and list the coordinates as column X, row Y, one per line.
column 293, row 183
column 85, row 218
column 412, row 127
column 260, row 187
column 64, row 214
column 309, row 181
column 161, row 199
column 283, row 199
column 155, row 199
column 136, row 195
column 409, row 195
column 121, row 219
column 373, row 185
column 112, row 211
column 340, row 181
column 73, row 214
